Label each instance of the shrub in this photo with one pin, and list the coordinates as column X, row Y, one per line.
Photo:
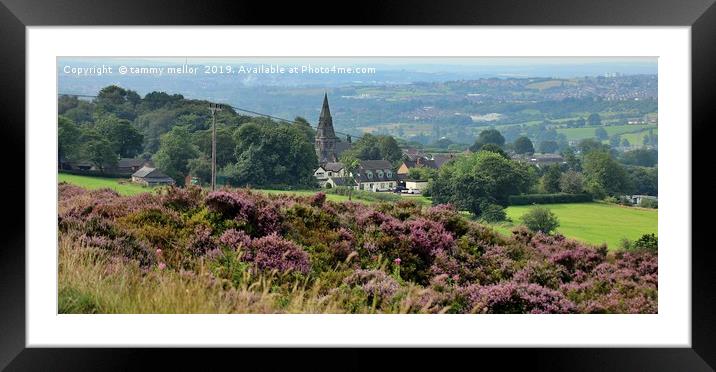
column 231, row 204
column 348, row 257
column 376, row 283
column 517, row 298
column 527, row 199
column 493, row 213
column 274, row 253
column 648, row 203
column 181, row 199
column 540, row 219
column 648, row 242
column 201, row 242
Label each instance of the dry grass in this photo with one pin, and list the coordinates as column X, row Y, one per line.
column 92, row 281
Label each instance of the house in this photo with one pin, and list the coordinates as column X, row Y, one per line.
column 127, row 166
column 413, row 154
column 440, row 159
column 340, row 182
column 404, row 168
column 151, row 177
column 375, row 175
column 327, row 171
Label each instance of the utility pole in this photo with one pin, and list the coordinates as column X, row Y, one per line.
column 213, row 108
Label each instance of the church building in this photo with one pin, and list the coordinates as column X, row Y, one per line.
column 328, row 146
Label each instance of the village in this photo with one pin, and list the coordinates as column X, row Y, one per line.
column 273, row 208
column 367, row 175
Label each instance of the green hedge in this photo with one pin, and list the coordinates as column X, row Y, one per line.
column 528, row 199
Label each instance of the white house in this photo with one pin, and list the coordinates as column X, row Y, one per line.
column 375, row 175
column 327, row 171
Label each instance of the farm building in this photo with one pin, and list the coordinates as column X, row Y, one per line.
column 151, row 177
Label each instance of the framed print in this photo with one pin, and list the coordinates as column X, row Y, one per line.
column 479, row 176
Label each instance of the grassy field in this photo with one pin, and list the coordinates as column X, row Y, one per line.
column 637, row 139
column 594, row 223
column 576, row 134
column 122, row 186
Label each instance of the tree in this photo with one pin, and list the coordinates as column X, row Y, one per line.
column 523, row 145
column 117, row 101
column 473, row 182
column 571, row 182
column 488, row 136
column 550, row 179
column 124, row 138
column 540, row 219
column 491, row 147
column 372, row 147
column 350, row 164
column 601, row 134
column 225, row 144
column 640, row 157
column 270, row 154
column 68, row 139
column 571, row 159
column 201, row 168
column 615, row 141
column 645, row 181
column 589, row 144
column 175, row 151
column 389, row 149
column 604, row 176
column 421, row 173
column 625, row 143
column 594, row 120
column 650, row 139
column 98, row 150
column 548, row 147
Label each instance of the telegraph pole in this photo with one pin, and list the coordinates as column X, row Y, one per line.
column 213, row 108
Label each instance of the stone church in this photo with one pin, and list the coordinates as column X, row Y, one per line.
column 328, row 146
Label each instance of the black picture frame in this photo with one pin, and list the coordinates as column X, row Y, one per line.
column 16, row 15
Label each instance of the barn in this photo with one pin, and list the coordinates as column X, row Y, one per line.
column 151, row 177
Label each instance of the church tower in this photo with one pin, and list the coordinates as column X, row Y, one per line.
column 325, row 135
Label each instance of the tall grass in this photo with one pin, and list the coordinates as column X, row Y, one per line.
column 92, row 281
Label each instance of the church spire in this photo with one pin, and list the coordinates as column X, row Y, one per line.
column 325, row 121
column 325, row 135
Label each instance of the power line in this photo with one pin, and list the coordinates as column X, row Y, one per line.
column 237, row 109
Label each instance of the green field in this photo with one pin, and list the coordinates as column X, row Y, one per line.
column 122, row 186
column 637, row 139
column 594, row 223
column 577, row 134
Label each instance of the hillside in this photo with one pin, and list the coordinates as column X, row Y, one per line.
column 186, row 251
